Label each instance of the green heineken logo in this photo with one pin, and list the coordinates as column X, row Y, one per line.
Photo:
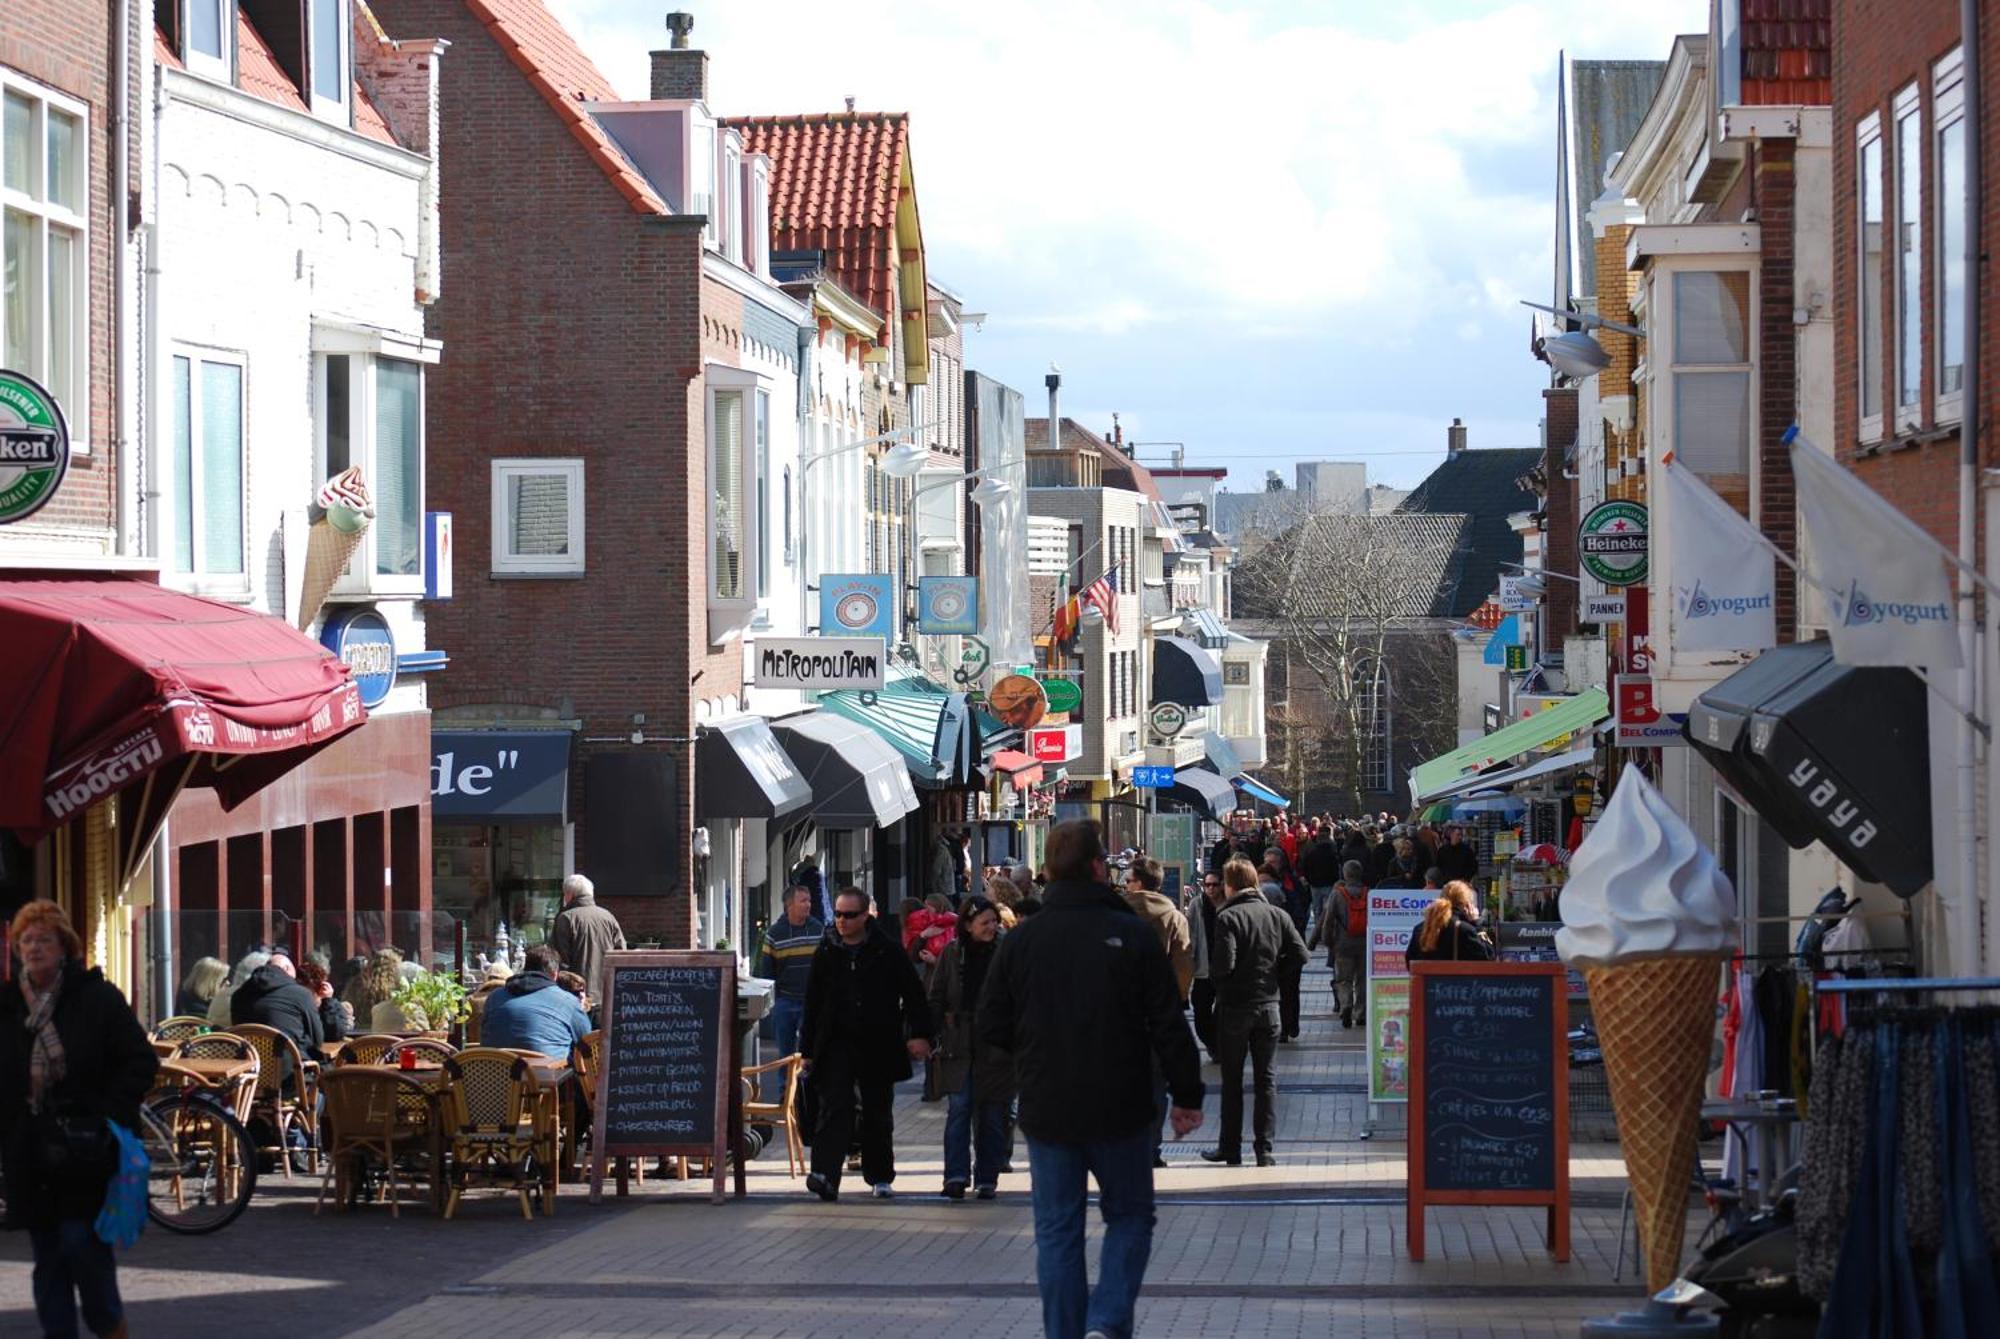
column 34, row 446
column 1611, row 543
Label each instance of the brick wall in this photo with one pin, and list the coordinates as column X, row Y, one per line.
column 572, row 328
column 1774, row 189
column 1559, row 553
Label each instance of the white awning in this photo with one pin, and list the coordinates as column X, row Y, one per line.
column 1560, row 762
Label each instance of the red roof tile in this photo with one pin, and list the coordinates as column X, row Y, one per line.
column 164, row 53
column 836, row 181
column 557, row 68
column 259, row 74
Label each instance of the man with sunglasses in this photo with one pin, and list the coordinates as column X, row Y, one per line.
column 866, row 1018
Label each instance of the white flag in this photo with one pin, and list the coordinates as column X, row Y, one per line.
column 1889, row 596
column 1724, row 577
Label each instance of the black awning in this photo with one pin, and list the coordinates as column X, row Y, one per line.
column 1185, row 673
column 500, row 776
column 1203, row 791
column 741, row 772
column 1825, row 752
column 858, row 780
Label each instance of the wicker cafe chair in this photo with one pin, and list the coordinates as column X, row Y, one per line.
column 366, row 1050
column 434, row 1049
column 278, row 1056
column 372, row 1116
column 489, row 1120
column 241, row 1096
column 179, row 1028
column 584, row 1060
column 785, row 1111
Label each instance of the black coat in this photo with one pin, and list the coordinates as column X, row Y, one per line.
column 110, row 1067
column 1460, row 941
column 863, row 1005
column 1083, row 997
column 270, row 997
column 1254, row 939
column 1320, row 864
column 1458, row 861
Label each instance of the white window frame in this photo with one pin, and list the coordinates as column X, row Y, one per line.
column 1947, row 110
column 703, row 135
column 45, row 215
column 1375, row 692
column 730, row 198
column 1867, row 135
column 758, row 215
column 1909, row 298
column 760, row 488
column 227, row 585
column 505, row 562
column 364, row 348
column 220, row 67
column 339, row 110
column 732, row 614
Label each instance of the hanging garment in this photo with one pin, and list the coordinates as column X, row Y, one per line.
column 1739, row 1158
column 1917, row 1135
column 1968, row 1295
column 1980, row 1053
column 1874, row 1293
column 1802, row 1044
column 1732, row 1028
column 1842, row 1072
column 1774, row 995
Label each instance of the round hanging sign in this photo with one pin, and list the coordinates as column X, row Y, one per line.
column 34, row 446
column 1168, row 719
column 1018, row 700
column 1611, row 543
column 1063, row 694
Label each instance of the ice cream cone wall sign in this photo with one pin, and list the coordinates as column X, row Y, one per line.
column 1649, row 918
column 342, row 510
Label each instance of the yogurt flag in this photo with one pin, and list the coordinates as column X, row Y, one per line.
column 1888, row 594
column 1725, row 581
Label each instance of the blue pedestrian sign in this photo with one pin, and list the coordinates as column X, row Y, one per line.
column 1153, row 778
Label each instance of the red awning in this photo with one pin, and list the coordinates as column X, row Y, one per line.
column 1019, row 768
column 109, row 680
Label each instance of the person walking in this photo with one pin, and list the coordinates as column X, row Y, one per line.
column 865, row 1020
column 1457, row 859
column 1201, row 927
column 784, row 957
column 1083, row 998
column 72, row 1058
column 584, row 932
column 1345, row 934
column 1319, row 865
column 806, row 874
column 1450, row 929
column 1143, row 895
column 1291, row 981
column 1255, row 945
column 974, row 1078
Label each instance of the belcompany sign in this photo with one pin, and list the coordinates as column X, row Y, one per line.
column 34, row 446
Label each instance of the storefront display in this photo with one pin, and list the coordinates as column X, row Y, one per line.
column 500, row 837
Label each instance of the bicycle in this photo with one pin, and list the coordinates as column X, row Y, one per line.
column 204, row 1164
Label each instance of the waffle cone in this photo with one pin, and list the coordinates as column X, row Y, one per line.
column 328, row 551
column 1656, row 1022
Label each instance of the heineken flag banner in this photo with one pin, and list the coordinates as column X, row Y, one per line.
column 1724, row 578
column 1889, row 598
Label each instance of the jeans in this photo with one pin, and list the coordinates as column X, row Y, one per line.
column 1203, row 1000
column 1290, row 981
column 70, row 1262
column 1320, row 897
column 1124, row 1172
column 1347, row 980
column 1247, row 1032
column 786, row 1014
column 975, row 1138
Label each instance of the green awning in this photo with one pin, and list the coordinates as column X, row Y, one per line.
column 931, row 729
column 1545, row 727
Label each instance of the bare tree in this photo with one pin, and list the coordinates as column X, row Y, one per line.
column 1353, row 602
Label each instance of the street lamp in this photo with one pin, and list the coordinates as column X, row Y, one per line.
column 905, row 460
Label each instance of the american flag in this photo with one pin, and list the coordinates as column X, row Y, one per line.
column 1100, row 594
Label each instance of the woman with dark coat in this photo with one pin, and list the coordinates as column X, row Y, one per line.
column 1450, row 930
column 72, row 1056
column 976, row 1078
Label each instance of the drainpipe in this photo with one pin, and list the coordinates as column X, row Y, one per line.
column 124, row 389
column 808, row 337
column 1974, row 958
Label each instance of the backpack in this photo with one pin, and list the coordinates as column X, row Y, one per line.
column 1357, row 912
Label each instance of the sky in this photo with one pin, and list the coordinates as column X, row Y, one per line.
column 1269, row 231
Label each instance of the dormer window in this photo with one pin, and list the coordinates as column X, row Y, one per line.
column 729, row 202
column 211, row 33
column 328, row 51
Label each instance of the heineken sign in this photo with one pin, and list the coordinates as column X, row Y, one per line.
column 34, row 446
column 1611, row 543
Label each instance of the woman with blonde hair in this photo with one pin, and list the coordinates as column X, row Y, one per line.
column 197, row 991
column 1450, row 930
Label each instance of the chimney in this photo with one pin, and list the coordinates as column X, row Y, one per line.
column 1054, row 382
column 680, row 73
column 849, row 100
column 1454, row 438
column 1117, row 431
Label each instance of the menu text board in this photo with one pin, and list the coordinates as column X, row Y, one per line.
column 1489, row 1091
column 667, row 1067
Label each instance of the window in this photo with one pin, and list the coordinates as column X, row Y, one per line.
column 1711, row 378
column 791, row 550
column 1235, row 674
column 726, row 518
column 731, row 198
column 763, row 429
column 1870, row 323
column 329, row 46
column 1909, row 256
column 369, row 412
column 45, row 244
column 208, row 48
column 1371, row 723
column 1948, row 339
column 205, row 497
column 701, row 176
column 538, row 518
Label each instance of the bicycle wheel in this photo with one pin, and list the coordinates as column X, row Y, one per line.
column 204, row 1169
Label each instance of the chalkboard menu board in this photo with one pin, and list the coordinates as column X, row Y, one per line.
column 1489, row 1090
column 667, row 1065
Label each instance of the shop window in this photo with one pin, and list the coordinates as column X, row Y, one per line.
column 1909, row 256
column 369, row 411
column 538, row 518
column 726, row 519
column 45, row 244
column 1869, row 306
column 205, row 495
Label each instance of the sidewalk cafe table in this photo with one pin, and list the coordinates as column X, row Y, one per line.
column 550, row 1076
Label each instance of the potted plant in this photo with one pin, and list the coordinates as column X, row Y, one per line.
column 433, row 1001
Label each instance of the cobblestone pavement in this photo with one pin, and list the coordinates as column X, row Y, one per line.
column 1311, row 1247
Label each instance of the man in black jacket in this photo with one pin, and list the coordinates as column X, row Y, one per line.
column 1457, row 858
column 272, row 996
column 1256, row 945
column 866, row 1018
column 1083, row 998
column 1319, row 864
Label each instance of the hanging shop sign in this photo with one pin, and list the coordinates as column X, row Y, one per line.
column 1512, row 598
column 818, row 663
column 1611, row 543
column 947, row 606
column 1603, row 608
column 857, row 604
column 1637, row 640
column 1063, row 694
column 1517, row 658
column 437, row 555
column 361, row 639
column 1018, row 700
column 1055, row 743
column 1641, row 723
column 1168, row 719
column 34, row 446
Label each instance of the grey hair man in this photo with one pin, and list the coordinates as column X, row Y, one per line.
column 584, row 932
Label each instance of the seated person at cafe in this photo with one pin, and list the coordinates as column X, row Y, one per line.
column 532, row 1012
column 273, row 997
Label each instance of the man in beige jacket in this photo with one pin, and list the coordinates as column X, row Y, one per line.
column 1143, row 895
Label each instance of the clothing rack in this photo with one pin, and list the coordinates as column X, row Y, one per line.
column 1793, row 954
column 1905, row 984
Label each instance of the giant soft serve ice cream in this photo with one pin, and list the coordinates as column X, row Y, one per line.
column 1648, row 917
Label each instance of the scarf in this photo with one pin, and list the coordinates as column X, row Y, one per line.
column 47, row 1065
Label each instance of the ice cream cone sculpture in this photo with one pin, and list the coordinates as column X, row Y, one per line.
column 345, row 510
column 1648, row 918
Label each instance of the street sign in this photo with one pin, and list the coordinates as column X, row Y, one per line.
column 1153, row 778
column 1512, row 599
column 1603, row 608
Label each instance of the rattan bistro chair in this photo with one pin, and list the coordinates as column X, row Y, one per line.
column 241, row 1096
column 179, row 1028
column 365, row 1050
column 373, row 1116
column 435, row 1050
column 784, row 1111
column 489, row 1121
column 278, row 1059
